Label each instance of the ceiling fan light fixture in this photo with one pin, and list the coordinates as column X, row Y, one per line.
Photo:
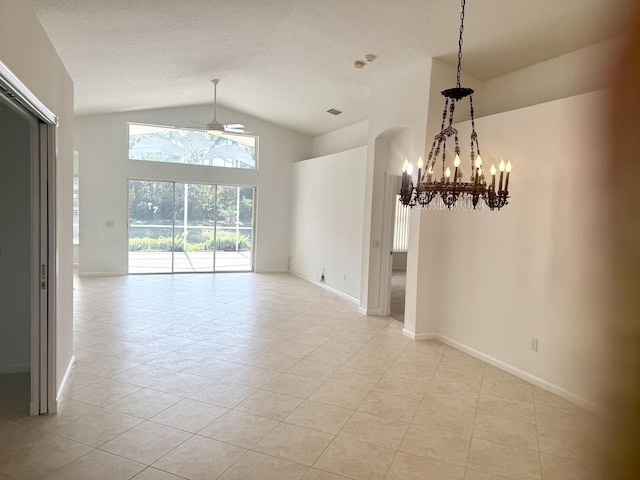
column 214, row 127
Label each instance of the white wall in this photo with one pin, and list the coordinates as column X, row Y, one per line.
column 341, row 140
column 422, row 285
column 15, row 241
column 327, row 217
column 102, row 144
column 533, row 269
column 582, row 71
column 27, row 51
column 398, row 108
column 533, row 272
column 422, row 289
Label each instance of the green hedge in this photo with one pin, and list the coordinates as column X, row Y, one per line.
column 228, row 242
column 164, row 244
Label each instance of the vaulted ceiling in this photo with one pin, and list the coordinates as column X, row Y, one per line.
column 289, row 61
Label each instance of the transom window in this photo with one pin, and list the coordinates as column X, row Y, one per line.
column 191, row 146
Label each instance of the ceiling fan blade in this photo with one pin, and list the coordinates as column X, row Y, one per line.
column 235, row 125
column 238, row 132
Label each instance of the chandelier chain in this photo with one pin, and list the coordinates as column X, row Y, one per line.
column 460, row 43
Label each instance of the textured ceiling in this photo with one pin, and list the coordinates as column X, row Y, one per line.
column 288, row 61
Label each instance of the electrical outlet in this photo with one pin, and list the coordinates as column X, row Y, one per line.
column 534, row 344
column 344, row 275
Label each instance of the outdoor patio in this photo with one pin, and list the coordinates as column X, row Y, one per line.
column 161, row 262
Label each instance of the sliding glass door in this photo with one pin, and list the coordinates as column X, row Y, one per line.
column 195, row 228
column 234, row 227
column 150, row 227
column 181, row 227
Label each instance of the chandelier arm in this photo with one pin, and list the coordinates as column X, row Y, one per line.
column 450, row 129
column 444, row 154
column 433, row 157
column 452, row 107
column 474, row 134
column 474, row 142
column 472, row 157
column 436, row 154
column 444, row 114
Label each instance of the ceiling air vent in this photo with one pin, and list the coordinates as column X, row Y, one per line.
column 334, row 111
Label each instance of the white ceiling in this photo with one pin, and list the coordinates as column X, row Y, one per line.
column 289, row 61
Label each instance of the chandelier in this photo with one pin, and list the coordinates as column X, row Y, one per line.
column 450, row 193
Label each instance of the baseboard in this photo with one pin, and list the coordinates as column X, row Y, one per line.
column 16, row 368
column 516, row 372
column 57, row 404
column 101, row 274
column 419, row 336
column 271, row 270
column 326, row 287
column 341, row 294
column 303, row 277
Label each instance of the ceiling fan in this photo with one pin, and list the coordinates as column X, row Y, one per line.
column 214, row 127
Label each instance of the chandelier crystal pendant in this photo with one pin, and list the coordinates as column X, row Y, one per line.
column 447, row 192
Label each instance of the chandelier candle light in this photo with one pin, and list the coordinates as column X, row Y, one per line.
column 448, row 193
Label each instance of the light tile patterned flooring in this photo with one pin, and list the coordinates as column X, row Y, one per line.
column 265, row 376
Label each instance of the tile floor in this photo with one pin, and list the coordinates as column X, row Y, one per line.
column 265, row 376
